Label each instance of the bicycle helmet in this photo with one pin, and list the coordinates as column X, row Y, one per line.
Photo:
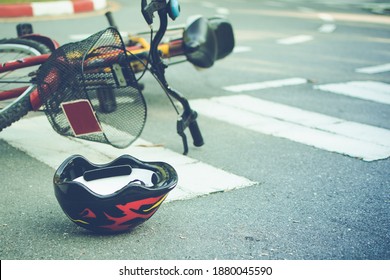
column 112, row 197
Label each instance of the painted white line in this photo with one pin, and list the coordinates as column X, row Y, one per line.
column 374, row 69
column 267, row 84
column 367, row 90
column 36, row 137
column 295, row 40
column 223, row 11
column 321, row 131
column 326, row 17
column 327, row 28
column 241, row 49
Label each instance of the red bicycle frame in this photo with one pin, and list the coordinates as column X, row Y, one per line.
column 171, row 49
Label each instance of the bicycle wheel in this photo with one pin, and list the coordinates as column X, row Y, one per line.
column 13, row 109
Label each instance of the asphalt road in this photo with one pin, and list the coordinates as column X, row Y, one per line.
column 306, row 203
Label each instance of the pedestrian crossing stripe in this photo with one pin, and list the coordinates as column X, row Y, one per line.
column 374, row 69
column 266, row 84
column 36, row 137
column 368, row 90
column 298, row 39
column 321, row 131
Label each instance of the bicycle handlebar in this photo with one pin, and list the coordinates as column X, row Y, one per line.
column 172, row 9
column 195, row 131
column 188, row 117
column 190, row 122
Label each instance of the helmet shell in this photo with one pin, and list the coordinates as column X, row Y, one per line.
column 119, row 211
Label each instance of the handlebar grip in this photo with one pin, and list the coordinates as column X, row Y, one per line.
column 195, row 133
column 110, row 20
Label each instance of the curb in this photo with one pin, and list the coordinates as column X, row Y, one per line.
column 66, row 7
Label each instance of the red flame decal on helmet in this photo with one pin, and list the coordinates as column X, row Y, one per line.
column 87, row 213
column 132, row 210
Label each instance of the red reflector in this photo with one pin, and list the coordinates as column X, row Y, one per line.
column 81, row 117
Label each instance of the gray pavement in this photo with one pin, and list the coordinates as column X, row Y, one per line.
column 307, row 203
column 335, row 214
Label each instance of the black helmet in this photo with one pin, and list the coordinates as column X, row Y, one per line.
column 84, row 191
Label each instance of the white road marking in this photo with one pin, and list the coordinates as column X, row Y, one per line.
column 327, row 28
column 367, row 90
column 326, row 17
column 241, row 49
column 374, row 69
column 295, row 40
column 36, row 137
column 321, row 131
column 267, row 84
column 223, row 11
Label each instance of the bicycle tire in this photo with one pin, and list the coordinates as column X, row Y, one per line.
column 13, row 49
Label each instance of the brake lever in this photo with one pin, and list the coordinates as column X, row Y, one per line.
column 149, row 9
column 180, row 126
column 188, row 119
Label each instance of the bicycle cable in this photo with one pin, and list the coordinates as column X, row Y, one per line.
column 148, row 58
column 147, row 68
